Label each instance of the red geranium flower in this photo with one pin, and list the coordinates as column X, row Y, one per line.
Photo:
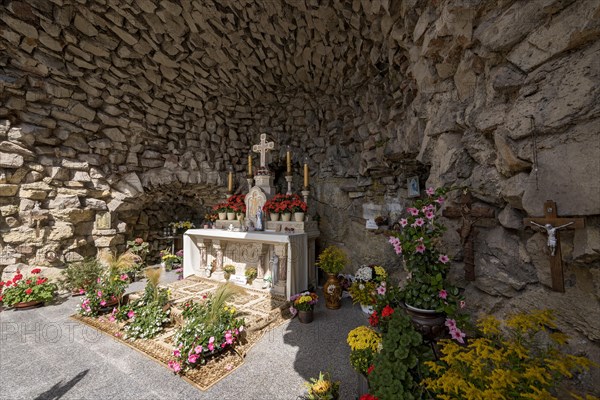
column 387, row 311
column 28, row 291
column 368, row 396
column 36, row 271
column 374, row 319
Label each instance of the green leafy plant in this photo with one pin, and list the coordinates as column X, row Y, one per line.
column 520, row 358
column 332, row 260
column 394, row 374
column 323, row 388
column 21, row 289
column 250, row 274
column 79, row 276
column 210, row 327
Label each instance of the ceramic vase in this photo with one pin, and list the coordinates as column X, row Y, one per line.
column 332, row 291
column 429, row 323
column 274, row 216
column 231, row 216
column 299, row 216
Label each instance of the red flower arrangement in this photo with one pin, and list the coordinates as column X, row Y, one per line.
column 234, row 204
column 285, row 203
column 20, row 290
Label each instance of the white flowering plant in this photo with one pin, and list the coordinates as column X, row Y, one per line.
column 368, row 282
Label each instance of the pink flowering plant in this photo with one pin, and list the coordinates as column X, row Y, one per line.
column 109, row 287
column 417, row 242
column 210, row 327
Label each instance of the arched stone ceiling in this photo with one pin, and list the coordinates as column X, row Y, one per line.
column 164, row 57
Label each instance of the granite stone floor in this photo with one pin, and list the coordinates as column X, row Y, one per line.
column 46, row 355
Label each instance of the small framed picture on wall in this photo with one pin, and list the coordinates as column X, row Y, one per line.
column 412, row 184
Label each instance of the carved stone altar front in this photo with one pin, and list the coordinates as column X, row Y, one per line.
column 286, row 259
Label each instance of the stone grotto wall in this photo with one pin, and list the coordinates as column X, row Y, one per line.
column 136, row 108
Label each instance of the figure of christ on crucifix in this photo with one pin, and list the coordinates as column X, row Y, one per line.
column 551, row 223
column 551, row 231
column 470, row 215
column 262, row 148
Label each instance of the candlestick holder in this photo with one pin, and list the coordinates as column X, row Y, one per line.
column 250, row 180
column 288, row 178
column 228, row 195
column 305, row 194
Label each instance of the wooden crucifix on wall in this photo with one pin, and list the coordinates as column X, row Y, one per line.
column 551, row 224
column 470, row 215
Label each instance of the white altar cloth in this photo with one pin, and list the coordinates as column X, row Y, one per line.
column 297, row 252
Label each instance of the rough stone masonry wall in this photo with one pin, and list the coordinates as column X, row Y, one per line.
column 123, row 105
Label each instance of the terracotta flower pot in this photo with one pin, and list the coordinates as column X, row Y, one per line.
column 332, row 291
column 28, row 304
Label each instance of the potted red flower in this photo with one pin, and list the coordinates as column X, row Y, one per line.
column 25, row 292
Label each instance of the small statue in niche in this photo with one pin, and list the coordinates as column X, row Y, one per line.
column 259, row 220
column 267, row 280
column 274, row 265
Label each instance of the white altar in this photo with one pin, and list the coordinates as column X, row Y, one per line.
column 283, row 254
column 280, row 255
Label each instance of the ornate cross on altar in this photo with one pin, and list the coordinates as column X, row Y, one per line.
column 470, row 215
column 262, row 148
column 551, row 223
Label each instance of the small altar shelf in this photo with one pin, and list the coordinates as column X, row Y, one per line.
column 284, row 260
column 275, row 226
